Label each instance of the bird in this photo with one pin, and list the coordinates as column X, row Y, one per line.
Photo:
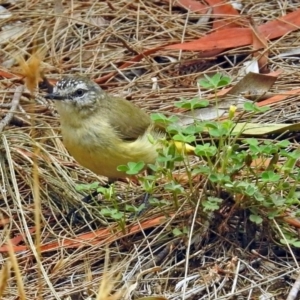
column 102, row 131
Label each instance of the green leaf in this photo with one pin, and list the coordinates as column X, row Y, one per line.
column 157, row 202
column 177, row 232
column 134, row 209
column 292, row 241
column 87, row 186
column 204, row 170
column 250, row 142
column 278, row 200
column 211, row 204
column 193, row 129
column 252, row 107
column 184, row 138
column 132, row 168
column 219, row 129
column 205, row 84
column 256, row 219
column 292, row 159
column 161, row 118
column 174, row 128
column 224, row 81
column 113, row 213
column 259, row 196
column 206, row 150
column 270, row 176
column 296, row 244
column 219, row 178
column 214, row 82
column 191, row 104
column 283, row 144
column 173, row 187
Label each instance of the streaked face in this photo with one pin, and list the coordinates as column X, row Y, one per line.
column 77, row 91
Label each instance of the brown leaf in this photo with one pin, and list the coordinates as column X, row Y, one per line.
column 225, row 14
column 236, row 37
column 31, row 70
column 253, row 84
column 260, row 47
column 191, row 5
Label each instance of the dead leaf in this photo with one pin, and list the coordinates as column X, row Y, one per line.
column 236, row 37
column 260, row 47
column 4, row 13
column 225, row 15
column 278, row 98
column 12, row 33
column 191, row 5
column 250, row 67
column 258, row 129
column 253, row 85
column 31, row 70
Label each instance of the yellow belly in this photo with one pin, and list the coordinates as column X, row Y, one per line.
column 103, row 159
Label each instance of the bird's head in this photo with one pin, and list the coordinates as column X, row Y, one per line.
column 77, row 92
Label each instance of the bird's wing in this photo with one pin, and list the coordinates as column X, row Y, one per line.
column 129, row 121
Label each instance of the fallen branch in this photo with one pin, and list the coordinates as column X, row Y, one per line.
column 14, row 104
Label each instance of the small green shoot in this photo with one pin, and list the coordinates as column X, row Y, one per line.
column 211, row 204
column 87, row 187
column 161, row 118
column 252, row 107
column 216, row 81
column 132, row 168
column 191, row 104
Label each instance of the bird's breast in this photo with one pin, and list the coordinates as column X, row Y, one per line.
column 98, row 148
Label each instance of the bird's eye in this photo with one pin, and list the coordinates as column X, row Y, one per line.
column 79, row 92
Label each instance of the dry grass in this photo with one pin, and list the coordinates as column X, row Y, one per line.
column 38, row 177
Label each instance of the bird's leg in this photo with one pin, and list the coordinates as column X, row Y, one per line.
column 146, row 197
column 146, row 203
column 91, row 196
column 88, row 198
column 73, row 214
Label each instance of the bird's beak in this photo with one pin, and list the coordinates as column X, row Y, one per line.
column 54, row 96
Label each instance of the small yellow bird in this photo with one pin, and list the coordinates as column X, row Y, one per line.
column 101, row 131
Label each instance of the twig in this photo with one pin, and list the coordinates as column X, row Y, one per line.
column 5, row 105
column 14, row 104
column 294, row 290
